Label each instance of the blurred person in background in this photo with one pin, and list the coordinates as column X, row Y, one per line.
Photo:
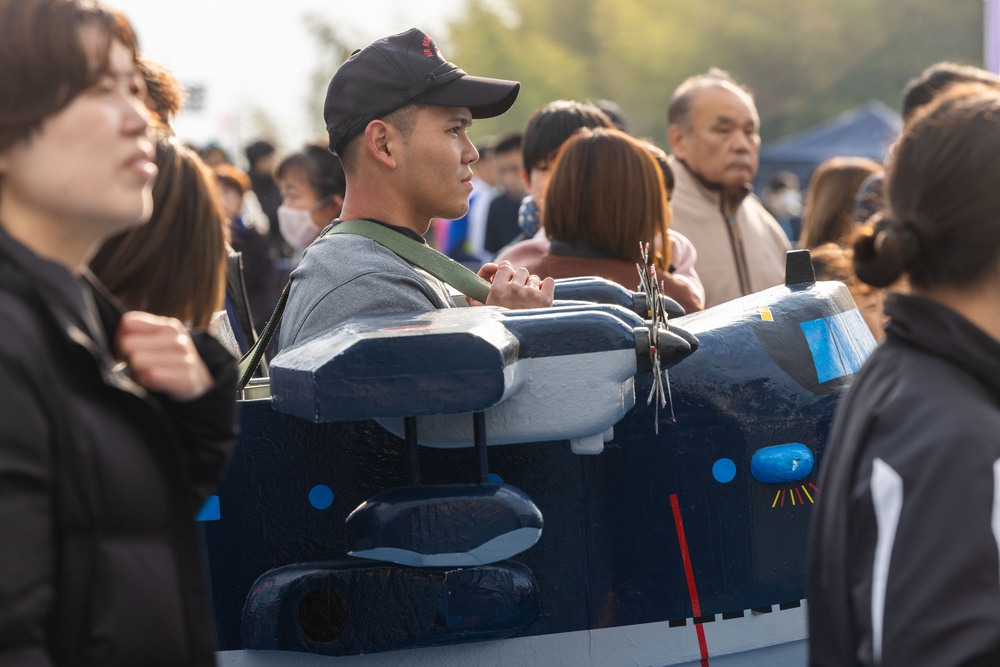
column 714, row 133
column 312, row 186
column 258, row 265
column 501, row 222
column 834, row 262
column 174, row 265
column 261, row 161
column 465, row 237
column 606, row 197
column 547, row 130
column 783, row 199
column 829, row 212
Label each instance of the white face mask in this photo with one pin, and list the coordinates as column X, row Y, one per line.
column 791, row 201
column 296, row 226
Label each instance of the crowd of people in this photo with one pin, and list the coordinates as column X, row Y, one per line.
column 120, row 247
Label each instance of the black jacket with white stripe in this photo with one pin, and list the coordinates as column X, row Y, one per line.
column 904, row 566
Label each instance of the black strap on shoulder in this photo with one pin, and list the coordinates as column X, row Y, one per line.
column 74, row 519
column 424, row 257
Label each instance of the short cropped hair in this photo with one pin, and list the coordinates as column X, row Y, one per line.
column 679, row 109
column 553, row 124
column 506, row 143
column 403, row 119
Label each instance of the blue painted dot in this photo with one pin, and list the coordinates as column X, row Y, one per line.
column 321, row 496
column 494, row 478
column 724, row 470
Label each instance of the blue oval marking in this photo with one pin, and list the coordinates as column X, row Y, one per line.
column 782, row 463
column 321, row 496
column 494, row 478
column 724, row 470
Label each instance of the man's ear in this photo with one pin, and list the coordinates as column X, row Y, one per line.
column 378, row 137
column 675, row 137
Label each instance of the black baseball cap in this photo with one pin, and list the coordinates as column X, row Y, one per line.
column 399, row 70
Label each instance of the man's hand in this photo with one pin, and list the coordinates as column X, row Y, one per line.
column 515, row 289
column 161, row 356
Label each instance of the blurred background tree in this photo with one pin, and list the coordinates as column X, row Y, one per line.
column 805, row 60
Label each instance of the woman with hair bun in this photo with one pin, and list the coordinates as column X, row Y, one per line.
column 905, row 544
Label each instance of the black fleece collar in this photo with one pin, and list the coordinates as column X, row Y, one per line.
column 941, row 332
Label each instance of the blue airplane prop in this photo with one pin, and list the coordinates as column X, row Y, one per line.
column 488, row 487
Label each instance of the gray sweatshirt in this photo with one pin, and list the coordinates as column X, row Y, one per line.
column 343, row 275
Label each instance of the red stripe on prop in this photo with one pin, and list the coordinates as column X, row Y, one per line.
column 689, row 573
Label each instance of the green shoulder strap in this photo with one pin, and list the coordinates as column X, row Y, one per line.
column 422, row 256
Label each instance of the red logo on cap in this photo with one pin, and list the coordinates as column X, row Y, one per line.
column 430, row 48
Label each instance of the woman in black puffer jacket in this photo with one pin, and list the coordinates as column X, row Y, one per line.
column 113, row 427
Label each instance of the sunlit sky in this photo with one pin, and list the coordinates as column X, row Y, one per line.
column 257, row 54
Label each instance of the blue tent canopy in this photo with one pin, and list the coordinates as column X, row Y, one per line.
column 866, row 131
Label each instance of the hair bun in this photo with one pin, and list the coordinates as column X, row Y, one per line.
column 883, row 252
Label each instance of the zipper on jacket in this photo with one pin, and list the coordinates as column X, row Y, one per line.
column 739, row 256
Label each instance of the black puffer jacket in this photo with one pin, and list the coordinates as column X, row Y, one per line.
column 100, row 482
column 904, row 566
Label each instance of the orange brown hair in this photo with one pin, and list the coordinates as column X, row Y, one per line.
column 607, row 191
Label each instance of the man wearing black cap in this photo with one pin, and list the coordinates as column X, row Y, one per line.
column 398, row 115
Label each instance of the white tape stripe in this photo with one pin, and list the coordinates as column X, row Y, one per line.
column 887, row 497
column 995, row 519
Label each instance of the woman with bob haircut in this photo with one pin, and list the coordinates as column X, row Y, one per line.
column 829, row 211
column 904, row 567
column 605, row 198
column 114, row 427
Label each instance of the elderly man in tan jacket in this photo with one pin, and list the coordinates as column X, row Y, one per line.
column 713, row 130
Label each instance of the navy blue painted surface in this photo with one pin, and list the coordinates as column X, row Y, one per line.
column 440, row 518
column 609, row 555
column 433, row 363
column 326, row 608
column 601, row 290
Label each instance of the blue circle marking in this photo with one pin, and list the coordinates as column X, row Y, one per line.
column 494, row 478
column 321, row 496
column 724, row 470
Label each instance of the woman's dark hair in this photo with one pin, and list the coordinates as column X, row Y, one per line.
column 174, row 265
column 941, row 226
column 323, row 170
column 44, row 62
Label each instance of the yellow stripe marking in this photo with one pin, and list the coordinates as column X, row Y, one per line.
column 775, row 503
column 791, row 495
column 806, row 491
column 765, row 314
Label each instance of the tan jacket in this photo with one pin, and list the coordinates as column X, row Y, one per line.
column 736, row 256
